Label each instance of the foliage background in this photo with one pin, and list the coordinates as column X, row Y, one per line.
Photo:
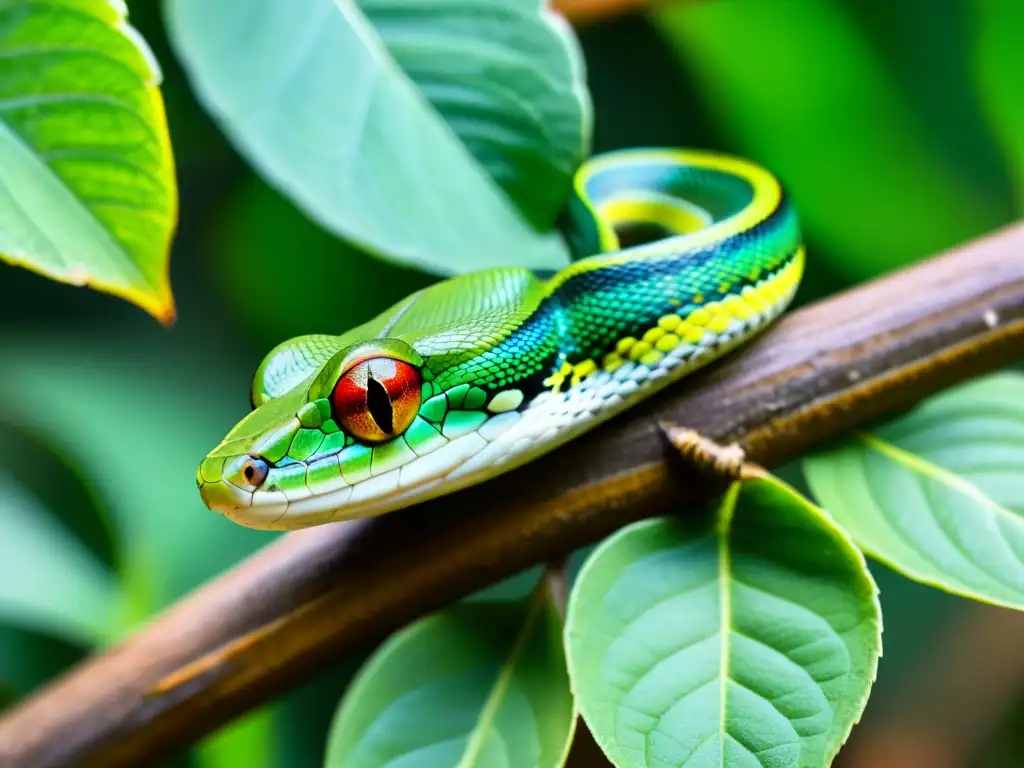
column 892, row 124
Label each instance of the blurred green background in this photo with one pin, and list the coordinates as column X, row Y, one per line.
column 897, row 127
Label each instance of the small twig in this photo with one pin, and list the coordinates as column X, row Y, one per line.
column 725, row 462
column 313, row 595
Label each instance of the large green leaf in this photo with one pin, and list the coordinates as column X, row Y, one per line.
column 939, row 494
column 508, row 77
column 999, row 61
column 49, row 581
column 312, row 92
column 480, row 685
column 87, row 190
column 799, row 87
column 750, row 639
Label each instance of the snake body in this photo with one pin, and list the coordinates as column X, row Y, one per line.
column 481, row 373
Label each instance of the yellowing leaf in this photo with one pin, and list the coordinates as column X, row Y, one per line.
column 87, row 189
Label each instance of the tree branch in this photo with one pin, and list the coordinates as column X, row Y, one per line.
column 314, row 594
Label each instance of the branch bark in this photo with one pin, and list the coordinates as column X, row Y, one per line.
column 315, row 594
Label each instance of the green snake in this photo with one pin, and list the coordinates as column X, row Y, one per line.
column 680, row 256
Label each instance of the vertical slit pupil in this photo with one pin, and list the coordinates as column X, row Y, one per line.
column 379, row 405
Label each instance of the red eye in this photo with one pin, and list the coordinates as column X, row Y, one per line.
column 377, row 399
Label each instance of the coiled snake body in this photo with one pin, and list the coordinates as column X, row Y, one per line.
column 475, row 375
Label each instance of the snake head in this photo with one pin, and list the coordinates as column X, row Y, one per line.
column 367, row 431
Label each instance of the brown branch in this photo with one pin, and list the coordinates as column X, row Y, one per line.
column 315, row 594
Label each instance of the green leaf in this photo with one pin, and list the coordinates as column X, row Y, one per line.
column 750, row 639
column 49, row 581
column 480, row 684
column 999, row 60
column 508, row 77
column 316, row 98
column 939, row 494
column 811, row 99
column 87, row 190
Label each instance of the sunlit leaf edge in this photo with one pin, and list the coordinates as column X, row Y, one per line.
column 157, row 300
column 865, row 441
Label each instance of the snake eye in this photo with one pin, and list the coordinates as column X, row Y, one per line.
column 377, row 399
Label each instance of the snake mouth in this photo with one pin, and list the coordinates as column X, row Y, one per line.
column 223, row 497
column 325, row 490
column 336, row 501
column 303, row 494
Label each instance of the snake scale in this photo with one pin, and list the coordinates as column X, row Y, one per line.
column 680, row 256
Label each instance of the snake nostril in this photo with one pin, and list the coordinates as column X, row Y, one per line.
column 255, row 471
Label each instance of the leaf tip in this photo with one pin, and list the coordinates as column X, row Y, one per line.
column 158, row 302
column 163, row 308
column 167, row 316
